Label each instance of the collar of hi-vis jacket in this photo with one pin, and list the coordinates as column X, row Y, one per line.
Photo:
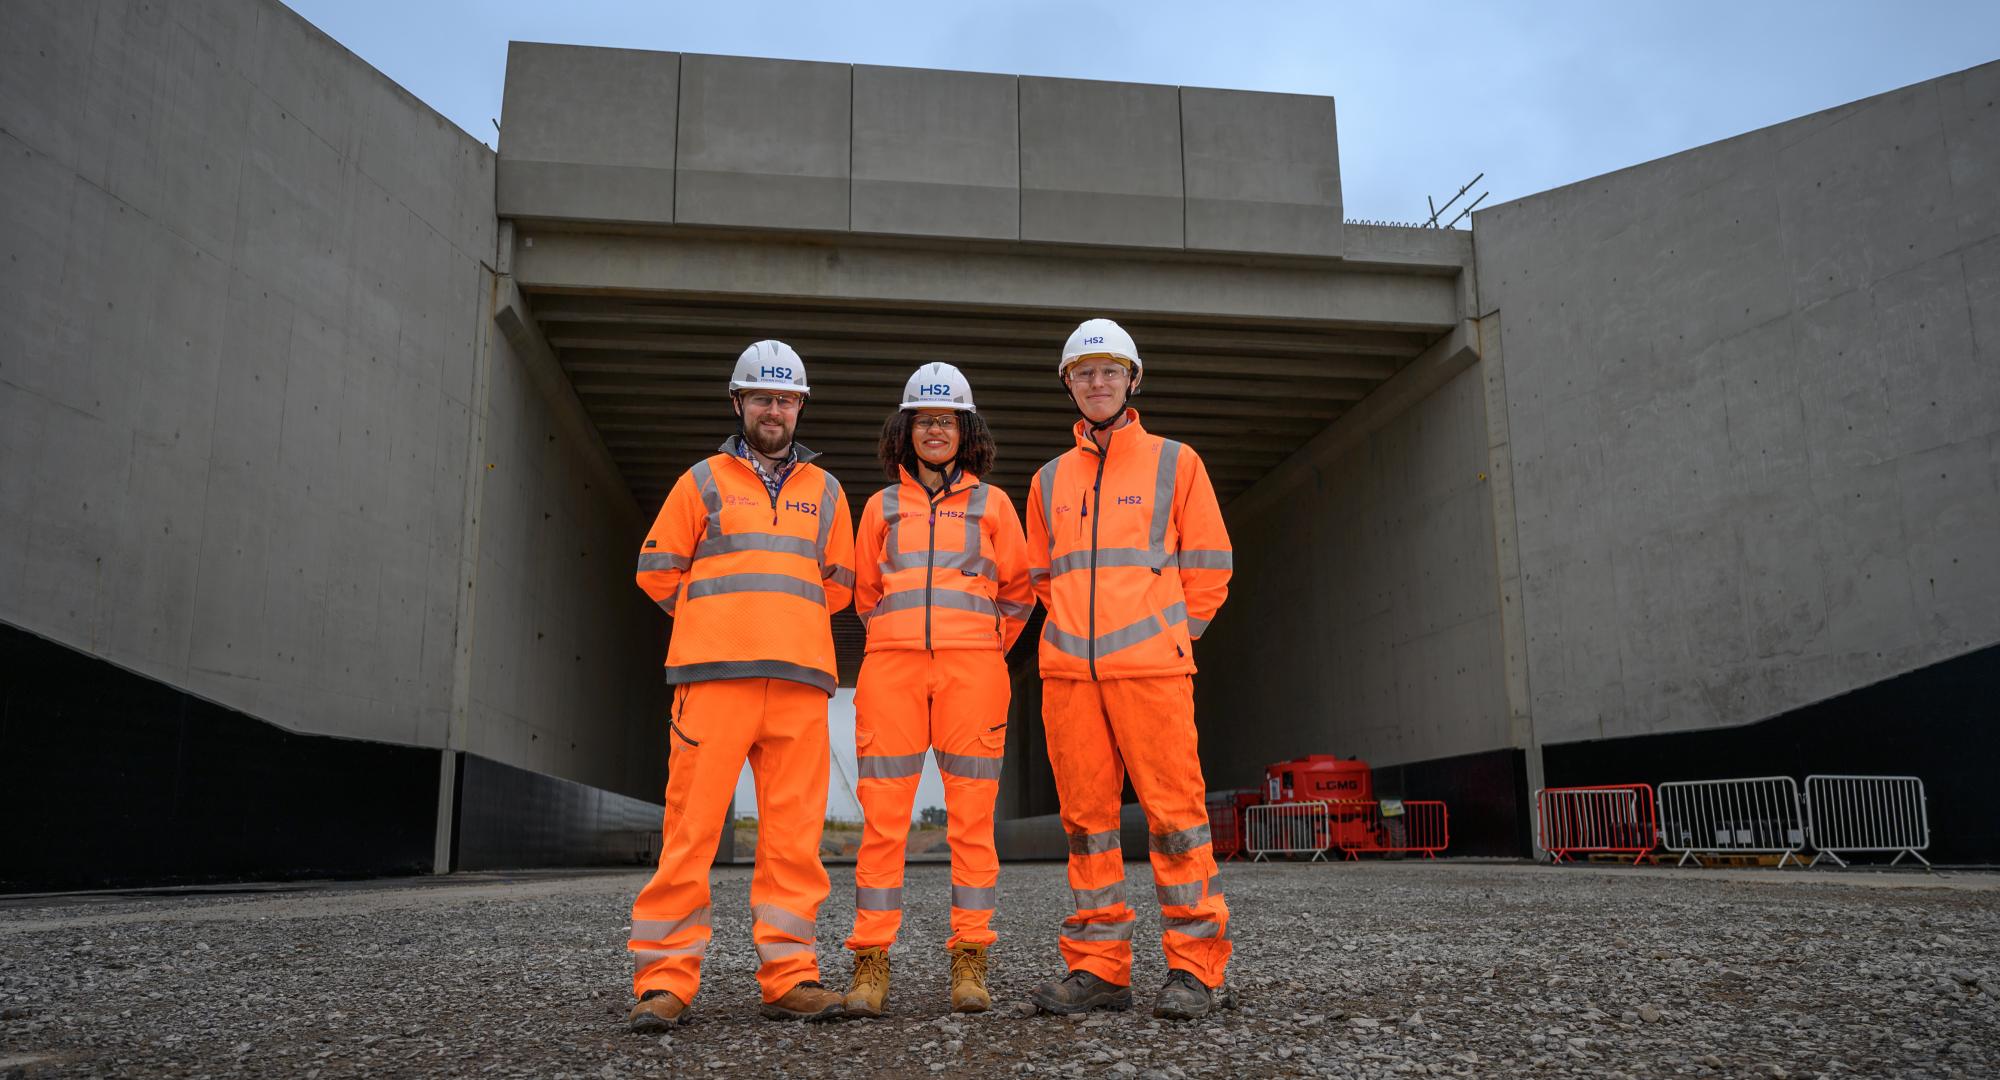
column 1130, row 431
column 960, row 480
column 737, row 446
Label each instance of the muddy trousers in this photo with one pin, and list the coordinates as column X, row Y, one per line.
column 1097, row 733
column 906, row 701
column 779, row 727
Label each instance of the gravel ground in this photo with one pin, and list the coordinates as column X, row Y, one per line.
column 1462, row 969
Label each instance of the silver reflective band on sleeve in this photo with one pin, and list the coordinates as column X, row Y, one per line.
column 868, row 899
column 662, row 929
column 768, row 951
column 1012, row 610
column 974, row 897
column 1188, row 894
column 968, row 767
column 1163, row 495
column 1178, row 843
column 830, row 492
column 1099, row 931
column 1206, row 559
column 644, row 958
column 841, row 576
column 1192, row 927
column 667, row 605
column 1093, row 843
column 1088, row 899
column 661, row 560
column 889, row 766
column 711, row 496
column 771, row 583
column 1038, row 573
column 1048, row 479
column 1197, row 627
column 777, row 543
column 779, row 919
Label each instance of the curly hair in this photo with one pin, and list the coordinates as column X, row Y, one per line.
column 896, row 450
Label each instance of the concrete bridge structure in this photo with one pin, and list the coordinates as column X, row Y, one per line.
column 329, row 434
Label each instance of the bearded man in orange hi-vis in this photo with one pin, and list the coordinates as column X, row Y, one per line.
column 941, row 579
column 1128, row 552
column 751, row 554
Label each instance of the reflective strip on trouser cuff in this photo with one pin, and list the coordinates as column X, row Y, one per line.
column 1178, row 843
column 871, row 899
column 967, row 767
column 1093, row 843
column 779, row 919
column 776, row 543
column 662, row 929
column 1091, row 899
column 1193, row 927
column 1189, row 894
column 1206, row 559
column 1099, row 931
column 768, row 951
column 889, row 766
column 661, row 560
column 642, row 958
column 770, row 583
column 974, row 897
column 752, row 669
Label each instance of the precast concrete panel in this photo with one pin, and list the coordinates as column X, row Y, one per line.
column 936, row 153
column 1101, row 163
column 588, row 133
column 1262, row 172
column 763, row 143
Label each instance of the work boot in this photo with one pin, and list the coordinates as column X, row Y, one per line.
column 871, row 982
column 968, row 979
column 807, row 1001
column 1185, row 997
column 1080, row 992
column 657, row 1011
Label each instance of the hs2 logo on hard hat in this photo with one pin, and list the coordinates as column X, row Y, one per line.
column 1098, row 340
column 934, row 390
column 775, row 372
column 803, row 508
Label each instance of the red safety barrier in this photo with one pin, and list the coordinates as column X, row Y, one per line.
column 1618, row 819
column 1401, row 826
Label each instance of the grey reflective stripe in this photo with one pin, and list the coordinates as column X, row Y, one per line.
column 868, row 899
column 1093, row 843
column 970, row 561
column 1175, row 612
column 889, row 766
column 1179, row 843
column 711, row 496
column 1048, row 478
column 1012, row 610
column 1205, row 559
column 903, row 599
column 974, row 897
column 768, row 583
column 1189, row 894
column 779, row 919
column 1197, row 627
column 841, row 575
column 751, row 669
column 892, row 509
column 827, row 495
column 661, row 560
column 1080, row 560
column 662, row 929
column 1163, row 496
column 1099, row 931
column 1038, row 573
column 1122, row 638
column 1193, row 927
column 967, row 767
column 768, row 951
column 667, row 605
column 644, row 958
column 778, row 543
column 975, row 508
column 1127, row 636
column 1109, row 896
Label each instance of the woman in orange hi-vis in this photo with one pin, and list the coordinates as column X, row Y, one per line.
column 1129, row 554
column 941, row 579
column 751, row 554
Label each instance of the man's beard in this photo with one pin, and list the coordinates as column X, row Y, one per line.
column 765, row 442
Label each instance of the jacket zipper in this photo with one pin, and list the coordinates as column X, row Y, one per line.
column 1096, row 496
column 930, row 561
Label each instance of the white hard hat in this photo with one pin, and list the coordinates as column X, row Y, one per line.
column 938, row 386
column 770, row 365
column 1100, row 337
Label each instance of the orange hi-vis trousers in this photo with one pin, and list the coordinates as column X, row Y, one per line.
column 779, row 726
column 1098, row 731
column 907, row 701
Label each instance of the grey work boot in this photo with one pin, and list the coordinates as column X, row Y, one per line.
column 1185, row 997
column 1079, row 992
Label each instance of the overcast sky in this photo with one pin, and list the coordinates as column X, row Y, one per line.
column 1535, row 95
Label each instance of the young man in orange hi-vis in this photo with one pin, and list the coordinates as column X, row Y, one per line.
column 751, row 554
column 941, row 578
column 1128, row 553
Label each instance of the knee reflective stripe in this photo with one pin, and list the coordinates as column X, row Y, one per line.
column 662, row 929
column 1179, row 843
column 967, row 767
column 1099, row 931
column 1189, row 894
column 768, row 951
column 1109, row 896
column 1093, row 843
column 1193, row 927
column 778, row 918
column 974, row 897
column 643, row 958
column 889, row 766
column 867, row 899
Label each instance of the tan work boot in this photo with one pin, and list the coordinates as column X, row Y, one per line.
column 968, row 979
column 657, row 1011
column 806, row 1001
column 871, row 982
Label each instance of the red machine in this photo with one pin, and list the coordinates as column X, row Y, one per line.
column 1347, row 784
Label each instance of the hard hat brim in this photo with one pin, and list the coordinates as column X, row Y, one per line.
column 955, row 406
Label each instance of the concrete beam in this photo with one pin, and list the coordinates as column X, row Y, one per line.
column 763, row 143
column 1262, row 172
column 588, row 133
column 936, row 153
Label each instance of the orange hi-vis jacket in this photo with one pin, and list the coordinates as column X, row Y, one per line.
column 751, row 580
column 949, row 572
column 1129, row 554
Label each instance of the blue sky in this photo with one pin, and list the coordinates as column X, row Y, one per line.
column 1533, row 95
